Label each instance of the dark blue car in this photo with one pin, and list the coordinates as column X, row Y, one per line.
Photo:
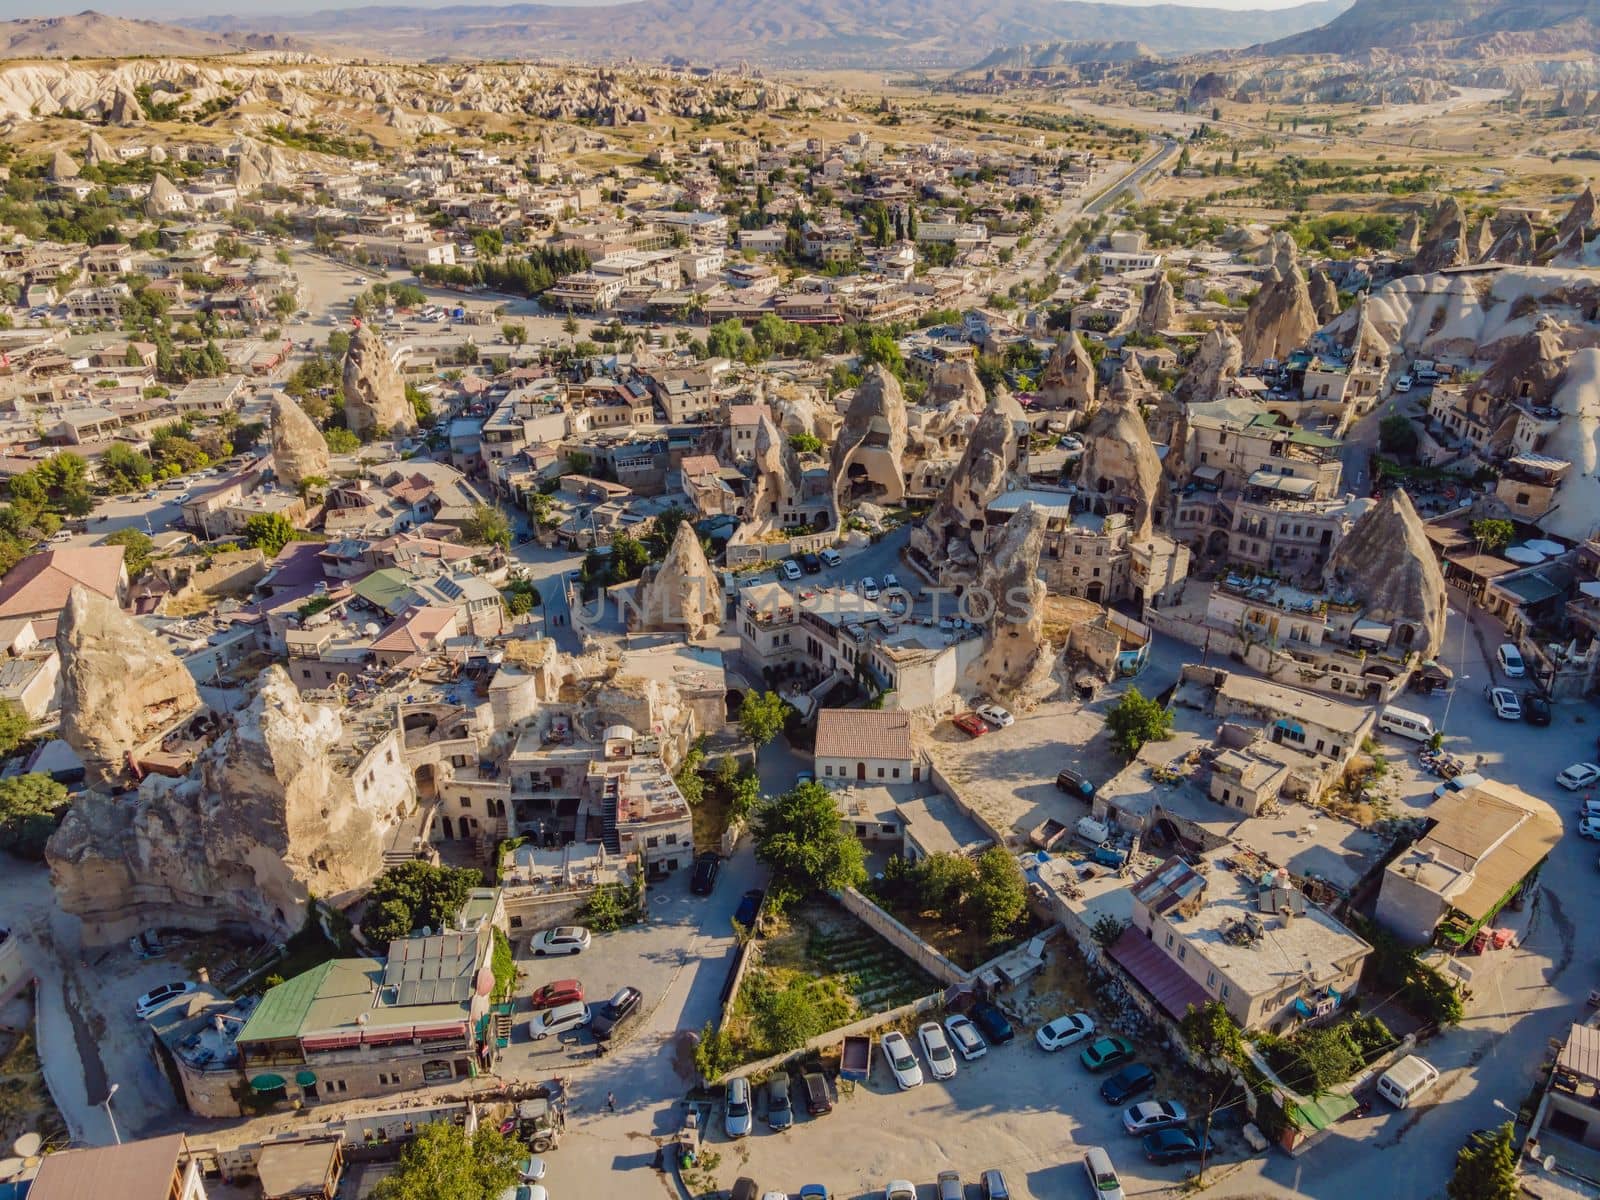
column 749, row 906
column 992, row 1022
column 1128, row 1083
column 1176, row 1145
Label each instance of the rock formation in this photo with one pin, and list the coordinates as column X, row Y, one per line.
column 120, row 684
column 1159, row 307
column 1409, row 237
column 374, row 394
column 164, row 199
column 1386, row 564
column 945, row 540
column 1016, row 660
column 158, row 154
column 777, row 472
column 1530, row 367
column 1120, row 470
column 948, row 412
column 299, row 451
column 1515, row 246
column 62, row 167
column 1216, row 361
column 1574, row 232
column 124, row 108
column 99, row 150
column 681, row 593
column 1280, row 318
column 869, row 454
column 1069, row 377
column 1324, row 297
column 1447, row 243
column 268, row 817
column 1480, row 241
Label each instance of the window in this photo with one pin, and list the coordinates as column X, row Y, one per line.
column 1225, row 990
column 466, row 803
column 1169, row 939
column 827, row 771
column 880, row 772
column 887, row 828
column 652, row 842
column 897, row 772
column 1211, row 979
column 305, row 674
column 1183, row 951
column 672, row 839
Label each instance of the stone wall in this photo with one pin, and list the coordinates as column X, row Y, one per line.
column 233, row 572
column 901, row 938
column 894, row 1016
column 740, row 554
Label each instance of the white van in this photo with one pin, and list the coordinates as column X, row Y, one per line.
column 1410, row 1078
column 1402, row 722
column 1510, row 659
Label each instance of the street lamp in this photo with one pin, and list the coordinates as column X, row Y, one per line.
column 106, row 1104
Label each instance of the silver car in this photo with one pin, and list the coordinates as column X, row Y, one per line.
column 737, row 1116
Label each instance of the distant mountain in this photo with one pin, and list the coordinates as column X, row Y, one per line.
column 1459, row 28
column 874, row 33
column 1061, row 54
column 95, row 35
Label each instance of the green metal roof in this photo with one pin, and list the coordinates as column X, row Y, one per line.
column 385, row 588
column 283, row 1009
column 1321, row 1111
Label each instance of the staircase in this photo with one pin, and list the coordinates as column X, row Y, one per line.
column 608, row 819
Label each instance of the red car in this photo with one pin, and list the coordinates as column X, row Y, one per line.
column 971, row 724
column 556, row 993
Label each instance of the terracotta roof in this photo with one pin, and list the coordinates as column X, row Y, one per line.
column 863, row 733
column 415, row 630
column 142, row 1170
column 1164, row 979
column 700, row 464
column 40, row 583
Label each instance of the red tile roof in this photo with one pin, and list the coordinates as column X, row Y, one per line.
column 1157, row 974
column 40, row 584
column 863, row 733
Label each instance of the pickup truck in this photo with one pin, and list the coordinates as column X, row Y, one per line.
column 855, row 1059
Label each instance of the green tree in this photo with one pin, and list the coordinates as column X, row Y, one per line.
column 999, row 893
column 488, row 526
column 340, row 440
column 443, row 1163
column 1396, row 434
column 1494, row 532
column 30, row 808
column 1136, row 720
column 514, row 332
column 269, row 532
column 415, row 895
column 136, row 549
column 806, row 443
column 124, row 469
column 578, row 463
column 421, row 406
column 762, row 716
column 788, row 1017
column 15, row 726
column 628, row 558
column 799, row 836
column 1486, row 1169
column 942, row 881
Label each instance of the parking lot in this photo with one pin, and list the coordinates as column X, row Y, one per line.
column 1018, row 1108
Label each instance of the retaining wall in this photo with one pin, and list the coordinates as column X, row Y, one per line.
column 901, row 938
column 833, row 1036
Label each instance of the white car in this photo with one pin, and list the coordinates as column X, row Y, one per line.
column 558, row 1020
column 563, row 939
column 831, row 557
column 1403, row 384
column 900, row 1189
column 1589, row 827
column 995, row 715
column 907, row 1072
column 1579, row 776
column 737, row 1115
column 1103, row 1181
column 531, row 1170
column 869, row 588
column 891, row 580
column 936, row 1049
column 965, row 1037
column 157, row 996
column 1064, row 1031
column 1150, row 1115
column 791, row 569
column 1506, row 705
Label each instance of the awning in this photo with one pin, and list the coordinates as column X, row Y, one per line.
column 305, row 1078
column 1372, row 631
column 1289, row 726
column 1159, row 975
column 1287, row 484
column 1590, row 588
column 267, row 1083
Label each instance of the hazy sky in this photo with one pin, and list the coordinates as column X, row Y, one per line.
column 159, row 9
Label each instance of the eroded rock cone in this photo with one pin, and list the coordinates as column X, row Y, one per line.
column 945, row 539
column 99, row 150
column 1515, row 246
column 299, row 451
column 164, row 199
column 1159, row 308
column 62, row 167
column 1446, row 244
column 120, row 684
column 1386, row 564
column 1016, row 659
column 1324, row 297
column 374, row 394
column 1069, row 377
column 1280, row 318
column 869, row 453
column 1120, row 464
column 1218, row 359
column 681, row 594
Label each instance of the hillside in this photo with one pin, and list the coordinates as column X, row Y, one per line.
column 95, row 35
column 1459, row 28
column 805, row 32
column 1061, row 54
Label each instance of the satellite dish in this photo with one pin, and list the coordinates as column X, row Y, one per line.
column 27, row 1145
column 10, row 1168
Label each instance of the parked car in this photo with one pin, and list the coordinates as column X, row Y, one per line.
column 950, row 1186
column 1064, row 1031
column 1150, row 1115
column 1127, row 1083
column 965, row 1037
column 971, row 724
column 780, row 1110
column 811, row 564
column 1579, row 776
column 1403, row 384
column 620, row 1010
column 1105, row 1053
column 790, row 569
column 995, row 715
column 749, row 906
column 830, row 557
column 554, row 993
column 745, row 1188
column 1510, row 660
column 1174, row 1145
column 563, row 939
column 891, row 580
column 1535, row 709
column 736, row 1115
column 993, row 1185
column 813, row 1191
column 993, row 1023
column 1589, row 827
column 1074, row 783
column 1506, row 705
column 936, row 1049
column 530, row 1170
column 557, row 1020
column 870, row 589
column 900, row 1189
column 902, row 1062
column 1103, row 1179
column 818, row 1099
column 706, row 869
column 157, row 996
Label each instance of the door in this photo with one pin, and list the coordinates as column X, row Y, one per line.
column 861, row 770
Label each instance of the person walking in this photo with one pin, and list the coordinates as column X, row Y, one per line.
column 611, row 1101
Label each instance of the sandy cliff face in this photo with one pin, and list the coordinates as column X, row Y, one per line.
column 299, row 450
column 681, row 594
column 945, row 538
column 1017, row 661
column 374, row 393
